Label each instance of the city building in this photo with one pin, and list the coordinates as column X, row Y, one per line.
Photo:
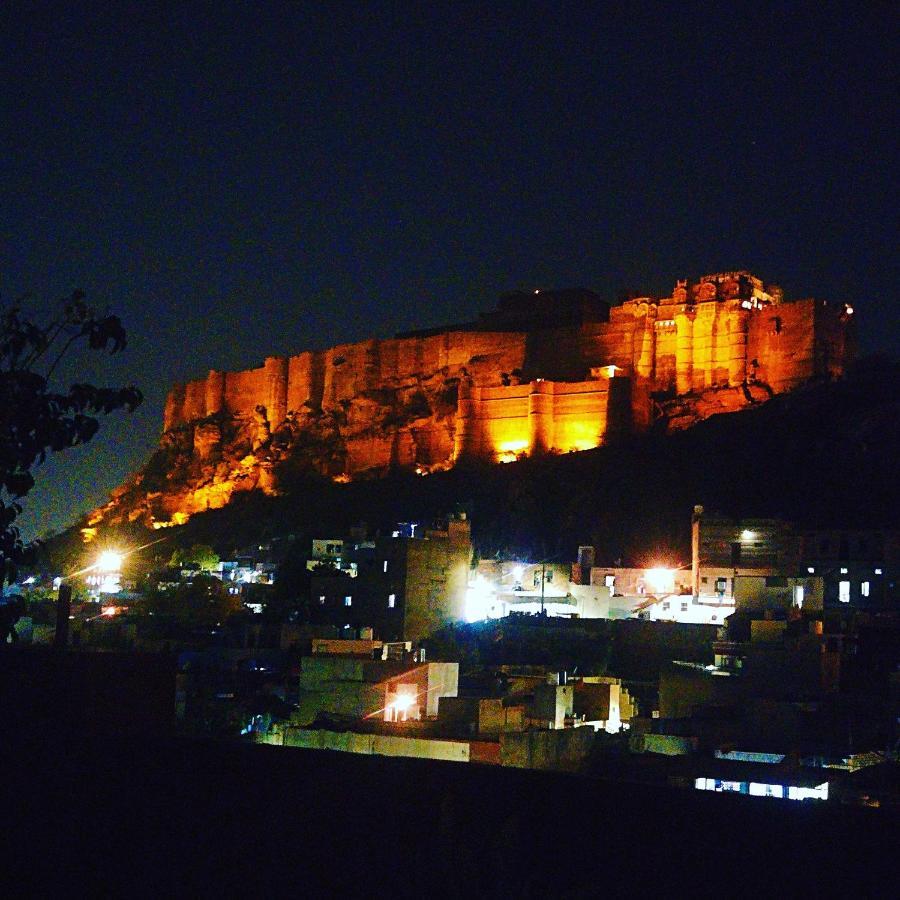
column 500, row 588
column 361, row 681
column 403, row 587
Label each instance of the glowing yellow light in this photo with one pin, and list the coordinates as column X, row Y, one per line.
column 849, row 310
column 509, row 451
column 479, row 599
column 109, row 561
column 109, row 610
column 747, row 535
column 660, row 580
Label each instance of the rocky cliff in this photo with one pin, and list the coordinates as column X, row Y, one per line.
column 352, row 409
column 719, row 345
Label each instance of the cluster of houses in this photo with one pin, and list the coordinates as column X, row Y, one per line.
column 407, row 584
column 796, row 694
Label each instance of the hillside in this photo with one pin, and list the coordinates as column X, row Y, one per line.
column 823, row 454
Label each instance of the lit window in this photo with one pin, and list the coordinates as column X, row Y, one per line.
column 864, row 588
column 766, row 790
column 610, row 581
column 392, row 601
column 321, row 599
column 798, row 596
column 348, row 600
column 844, row 591
column 803, row 793
column 878, row 571
column 843, row 571
column 729, row 786
column 811, row 570
column 385, row 565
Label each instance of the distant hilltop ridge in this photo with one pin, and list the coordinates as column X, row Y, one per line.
column 543, row 372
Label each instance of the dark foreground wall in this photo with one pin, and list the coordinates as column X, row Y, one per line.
column 43, row 688
column 95, row 810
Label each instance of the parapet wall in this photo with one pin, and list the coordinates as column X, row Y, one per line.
column 323, row 379
column 541, row 416
column 569, row 380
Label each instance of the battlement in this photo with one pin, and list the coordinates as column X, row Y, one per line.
column 545, row 371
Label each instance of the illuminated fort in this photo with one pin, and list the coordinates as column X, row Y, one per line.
column 546, row 371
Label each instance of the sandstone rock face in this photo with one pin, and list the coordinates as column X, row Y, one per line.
column 545, row 384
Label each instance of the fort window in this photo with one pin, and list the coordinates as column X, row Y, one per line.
column 776, row 325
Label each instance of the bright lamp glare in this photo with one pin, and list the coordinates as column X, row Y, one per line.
column 403, row 702
column 660, row 580
column 747, row 535
column 518, row 572
column 109, row 561
column 479, row 599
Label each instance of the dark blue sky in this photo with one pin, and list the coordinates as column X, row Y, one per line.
column 237, row 180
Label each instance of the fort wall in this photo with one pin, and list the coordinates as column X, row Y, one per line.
column 426, row 400
column 540, row 416
column 323, row 379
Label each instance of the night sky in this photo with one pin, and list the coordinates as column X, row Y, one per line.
column 238, row 180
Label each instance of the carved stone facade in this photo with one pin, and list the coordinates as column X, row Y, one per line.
column 544, row 372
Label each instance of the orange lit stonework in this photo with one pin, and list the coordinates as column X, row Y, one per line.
column 529, row 377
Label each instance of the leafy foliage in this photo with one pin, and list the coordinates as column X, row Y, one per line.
column 36, row 417
column 201, row 555
column 202, row 602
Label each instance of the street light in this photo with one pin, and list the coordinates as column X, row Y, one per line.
column 109, row 561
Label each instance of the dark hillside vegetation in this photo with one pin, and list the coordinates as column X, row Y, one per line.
column 823, row 455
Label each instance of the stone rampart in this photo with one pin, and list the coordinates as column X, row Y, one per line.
column 561, row 383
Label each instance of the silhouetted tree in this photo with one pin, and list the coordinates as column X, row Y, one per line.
column 201, row 555
column 202, row 602
column 37, row 417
